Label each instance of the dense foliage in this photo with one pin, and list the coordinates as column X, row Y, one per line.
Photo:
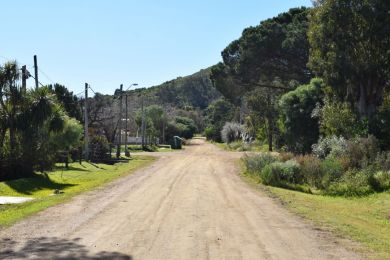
column 300, row 127
column 349, row 42
column 336, row 127
column 33, row 127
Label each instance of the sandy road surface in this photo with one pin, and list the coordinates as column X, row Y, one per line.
column 188, row 205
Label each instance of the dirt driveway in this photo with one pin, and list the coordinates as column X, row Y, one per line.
column 188, row 205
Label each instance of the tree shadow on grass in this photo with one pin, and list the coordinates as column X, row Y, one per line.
column 28, row 185
column 71, row 168
column 53, row 248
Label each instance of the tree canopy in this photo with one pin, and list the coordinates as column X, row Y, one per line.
column 350, row 42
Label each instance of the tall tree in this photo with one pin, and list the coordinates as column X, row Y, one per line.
column 350, row 49
column 69, row 101
column 266, row 59
column 296, row 107
column 31, row 120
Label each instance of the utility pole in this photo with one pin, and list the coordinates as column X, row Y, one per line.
column 36, row 71
column 118, row 148
column 24, row 78
column 86, row 137
column 127, row 153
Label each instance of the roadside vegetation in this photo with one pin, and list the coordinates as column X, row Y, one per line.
column 283, row 86
column 312, row 84
column 365, row 219
column 67, row 183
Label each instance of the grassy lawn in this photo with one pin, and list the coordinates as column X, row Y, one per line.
column 78, row 178
column 363, row 219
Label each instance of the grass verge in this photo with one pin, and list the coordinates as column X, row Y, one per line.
column 242, row 147
column 362, row 219
column 77, row 179
column 135, row 148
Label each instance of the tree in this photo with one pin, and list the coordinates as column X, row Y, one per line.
column 350, row 50
column 69, row 101
column 267, row 60
column 217, row 114
column 103, row 116
column 301, row 130
column 274, row 53
column 263, row 102
column 36, row 126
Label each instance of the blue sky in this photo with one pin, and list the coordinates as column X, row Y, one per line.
column 106, row 43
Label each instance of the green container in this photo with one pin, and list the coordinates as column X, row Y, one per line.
column 176, row 142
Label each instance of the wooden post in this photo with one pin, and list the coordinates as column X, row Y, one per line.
column 118, row 148
column 86, row 137
column 36, row 71
column 24, row 78
column 127, row 153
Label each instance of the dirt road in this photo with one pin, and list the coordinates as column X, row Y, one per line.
column 188, row 205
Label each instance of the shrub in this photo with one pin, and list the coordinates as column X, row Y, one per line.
column 311, row 170
column 240, row 146
column 332, row 171
column 291, row 172
column 99, row 148
column 256, row 163
column 361, row 152
column 231, row 132
column 285, row 156
column 270, row 175
column 211, row 133
column 352, row 183
column 382, row 161
column 337, row 118
column 382, row 179
column 281, row 174
column 333, row 146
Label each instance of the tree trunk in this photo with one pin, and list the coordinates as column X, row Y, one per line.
column 362, row 102
column 270, row 123
column 270, row 133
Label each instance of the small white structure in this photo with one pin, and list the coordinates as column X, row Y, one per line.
column 13, row 200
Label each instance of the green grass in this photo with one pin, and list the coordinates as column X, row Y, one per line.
column 135, row 148
column 239, row 146
column 77, row 179
column 362, row 219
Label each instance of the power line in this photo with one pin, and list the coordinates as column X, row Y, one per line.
column 89, row 86
column 46, row 76
column 79, row 93
column 38, row 81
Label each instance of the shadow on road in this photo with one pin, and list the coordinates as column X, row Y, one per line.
column 53, row 248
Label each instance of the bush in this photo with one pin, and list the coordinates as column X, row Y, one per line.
column 333, row 146
column 382, row 161
column 382, row 180
column 285, row 156
column 212, row 133
column 312, row 170
column 231, row 132
column 281, row 173
column 256, row 163
column 352, row 183
column 362, row 152
column 99, row 148
column 332, row 171
column 337, row 118
column 270, row 175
